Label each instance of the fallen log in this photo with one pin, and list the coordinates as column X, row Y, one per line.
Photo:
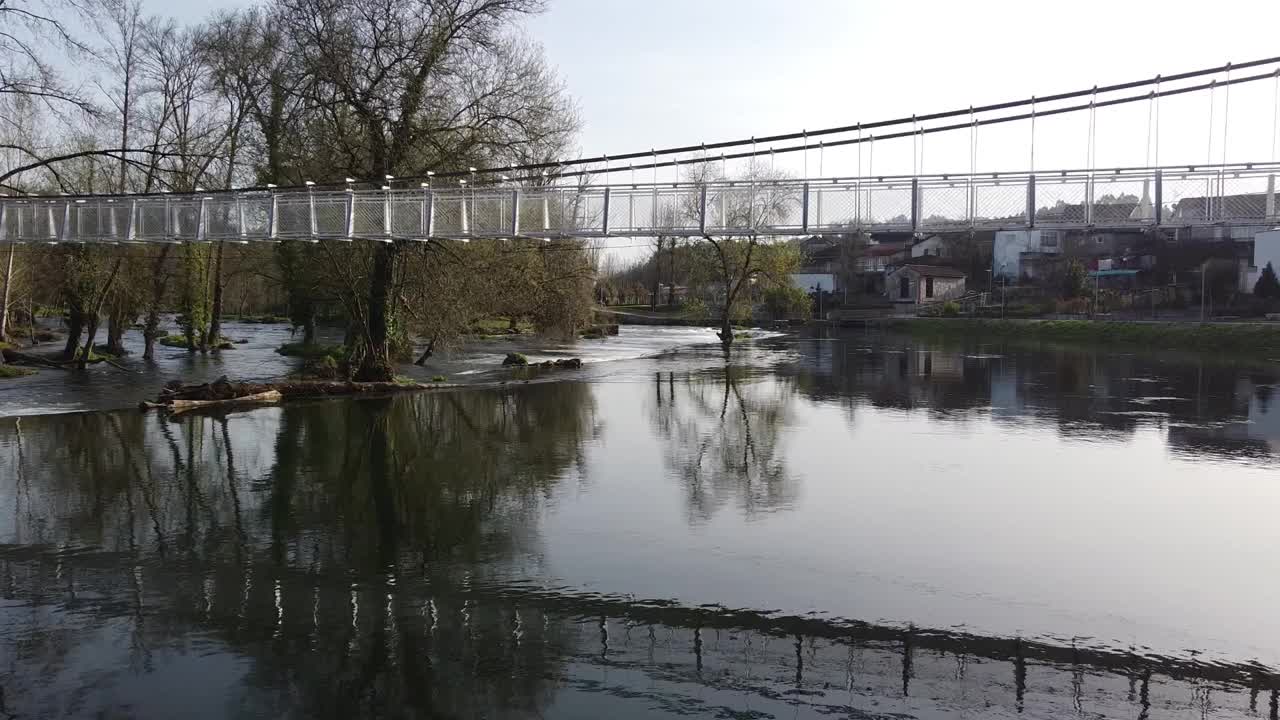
column 263, row 398
column 21, row 358
column 176, row 396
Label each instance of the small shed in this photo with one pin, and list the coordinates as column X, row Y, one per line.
column 915, row 284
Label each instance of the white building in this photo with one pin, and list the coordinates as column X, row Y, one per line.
column 1266, row 249
column 1009, row 245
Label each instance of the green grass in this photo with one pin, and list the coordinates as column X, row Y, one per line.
column 180, row 341
column 1248, row 338
column 13, row 371
column 500, row 326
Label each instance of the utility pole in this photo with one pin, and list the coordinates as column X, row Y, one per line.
column 1202, row 267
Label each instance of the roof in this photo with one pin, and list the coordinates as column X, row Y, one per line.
column 1245, row 205
column 884, row 249
column 933, row 271
column 1113, row 273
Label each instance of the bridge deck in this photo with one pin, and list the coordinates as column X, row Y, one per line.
column 1098, row 199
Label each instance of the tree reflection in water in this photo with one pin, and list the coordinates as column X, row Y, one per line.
column 371, row 558
column 722, row 430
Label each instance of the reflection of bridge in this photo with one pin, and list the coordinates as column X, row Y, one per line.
column 431, row 626
column 1222, row 195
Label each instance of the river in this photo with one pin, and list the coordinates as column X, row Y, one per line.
column 853, row 526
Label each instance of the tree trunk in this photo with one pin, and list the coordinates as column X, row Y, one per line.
column 75, row 326
column 375, row 365
column 116, row 325
column 671, row 275
column 96, row 313
column 309, row 330
column 4, row 299
column 159, row 278
column 215, row 322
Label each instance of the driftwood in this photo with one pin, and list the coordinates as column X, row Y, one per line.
column 264, row 398
column 176, row 396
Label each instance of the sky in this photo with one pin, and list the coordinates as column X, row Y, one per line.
column 677, row 72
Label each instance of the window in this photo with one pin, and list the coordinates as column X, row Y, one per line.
column 1049, row 238
column 928, row 287
column 904, row 287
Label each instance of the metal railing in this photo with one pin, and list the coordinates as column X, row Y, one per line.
column 1243, row 194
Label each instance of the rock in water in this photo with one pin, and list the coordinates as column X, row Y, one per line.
column 515, row 359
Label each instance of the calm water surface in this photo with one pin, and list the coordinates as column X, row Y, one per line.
column 857, row 527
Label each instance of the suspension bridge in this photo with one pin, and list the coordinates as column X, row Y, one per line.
column 570, row 204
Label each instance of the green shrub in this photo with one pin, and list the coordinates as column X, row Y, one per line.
column 439, row 379
column 695, row 310
column 313, row 351
column 787, row 301
column 950, row 309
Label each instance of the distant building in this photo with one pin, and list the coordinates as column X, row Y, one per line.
column 915, row 284
column 932, row 246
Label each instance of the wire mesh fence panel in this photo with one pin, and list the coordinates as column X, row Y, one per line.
column 1188, row 198
column 186, row 220
column 535, row 211
column 834, row 207
column 115, row 219
column 11, row 227
column 408, row 214
column 331, row 215
column 255, row 216
column 642, row 208
column 588, row 211
column 222, row 218
column 1245, row 198
column 679, row 211
column 152, row 220
column 887, row 206
column 999, row 205
column 780, row 208
column 367, row 216
column 732, row 209
column 944, row 206
column 293, row 217
column 452, row 215
column 491, row 214
column 20, row 220
column 85, row 222
column 1061, row 201
column 1121, row 201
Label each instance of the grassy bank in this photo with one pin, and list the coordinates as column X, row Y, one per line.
column 1243, row 338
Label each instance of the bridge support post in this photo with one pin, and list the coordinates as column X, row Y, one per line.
column 515, row 210
column 604, row 223
column 1157, row 209
column 386, row 214
column 1031, row 201
column 431, row 214
column 349, row 215
column 915, row 204
column 804, row 209
column 273, row 218
column 1271, row 197
column 4, row 221
column 311, row 213
column 702, row 210
column 202, row 218
column 66, row 221
column 240, row 229
column 131, row 226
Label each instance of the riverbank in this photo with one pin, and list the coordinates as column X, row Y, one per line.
column 1262, row 339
